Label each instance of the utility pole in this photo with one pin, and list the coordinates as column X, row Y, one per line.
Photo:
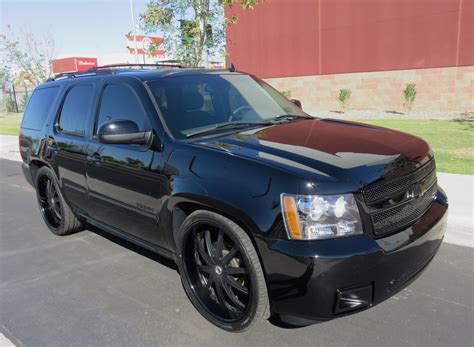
column 134, row 32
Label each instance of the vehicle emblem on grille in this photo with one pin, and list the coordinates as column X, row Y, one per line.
column 416, row 190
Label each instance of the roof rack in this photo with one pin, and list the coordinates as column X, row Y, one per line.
column 158, row 65
column 69, row 75
column 109, row 68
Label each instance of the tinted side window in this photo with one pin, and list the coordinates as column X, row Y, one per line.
column 39, row 106
column 119, row 102
column 73, row 117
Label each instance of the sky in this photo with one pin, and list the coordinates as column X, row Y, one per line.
column 80, row 28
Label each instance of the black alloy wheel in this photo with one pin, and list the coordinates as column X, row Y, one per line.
column 49, row 201
column 56, row 213
column 221, row 274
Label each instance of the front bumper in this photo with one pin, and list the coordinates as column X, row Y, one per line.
column 311, row 279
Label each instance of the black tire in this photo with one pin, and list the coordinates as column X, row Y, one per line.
column 230, row 263
column 55, row 211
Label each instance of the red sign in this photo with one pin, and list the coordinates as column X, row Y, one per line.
column 73, row 64
column 144, row 43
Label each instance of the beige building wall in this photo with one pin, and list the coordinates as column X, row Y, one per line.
column 438, row 89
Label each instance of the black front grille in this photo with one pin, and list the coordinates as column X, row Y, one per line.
column 392, row 219
column 390, row 208
column 382, row 190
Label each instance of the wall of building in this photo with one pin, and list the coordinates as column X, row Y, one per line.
column 282, row 38
column 438, row 89
column 372, row 47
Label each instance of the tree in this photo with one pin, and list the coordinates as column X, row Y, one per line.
column 192, row 29
column 5, row 77
column 5, row 82
column 30, row 55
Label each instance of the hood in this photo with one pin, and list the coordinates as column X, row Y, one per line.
column 329, row 150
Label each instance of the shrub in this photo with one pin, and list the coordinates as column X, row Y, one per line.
column 409, row 94
column 286, row 94
column 10, row 105
column 344, row 95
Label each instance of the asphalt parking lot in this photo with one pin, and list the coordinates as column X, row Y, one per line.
column 92, row 289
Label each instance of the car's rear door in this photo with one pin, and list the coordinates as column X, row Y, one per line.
column 125, row 181
column 66, row 145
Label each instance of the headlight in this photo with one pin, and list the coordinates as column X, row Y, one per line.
column 315, row 217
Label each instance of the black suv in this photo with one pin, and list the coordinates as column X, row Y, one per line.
column 265, row 209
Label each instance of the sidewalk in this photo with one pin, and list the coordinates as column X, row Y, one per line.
column 9, row 147
column 460, row 190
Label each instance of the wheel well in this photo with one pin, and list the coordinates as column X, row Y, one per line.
column 35, row 165
column 182, row 210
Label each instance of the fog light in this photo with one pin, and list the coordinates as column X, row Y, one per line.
column 353, row 299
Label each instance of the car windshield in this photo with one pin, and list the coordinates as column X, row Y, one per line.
column 196, row 104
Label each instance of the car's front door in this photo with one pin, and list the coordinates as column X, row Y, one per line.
column 125, row 182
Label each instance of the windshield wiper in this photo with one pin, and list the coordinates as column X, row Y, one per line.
column 235, row 125
column 239, row 125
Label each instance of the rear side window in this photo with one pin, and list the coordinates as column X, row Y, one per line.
column 39, row 106
column 119, row 102
column 76, row 107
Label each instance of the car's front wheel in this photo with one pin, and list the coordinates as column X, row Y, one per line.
column 221, row 271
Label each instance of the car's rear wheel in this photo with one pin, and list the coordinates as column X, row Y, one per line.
column 56, row 213
column 221, row 271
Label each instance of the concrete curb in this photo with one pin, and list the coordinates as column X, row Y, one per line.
column 5, row 342
column 460, row 190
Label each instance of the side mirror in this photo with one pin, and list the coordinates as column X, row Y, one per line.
column 297, row 103
column 124, row 132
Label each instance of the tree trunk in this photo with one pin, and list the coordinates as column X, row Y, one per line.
column 203, row 13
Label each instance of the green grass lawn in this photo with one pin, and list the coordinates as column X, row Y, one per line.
column 10, row 123
column 452, row 141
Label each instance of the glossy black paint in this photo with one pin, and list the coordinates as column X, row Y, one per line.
column 144, row 192
column 304, row 277
column 124, row 132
